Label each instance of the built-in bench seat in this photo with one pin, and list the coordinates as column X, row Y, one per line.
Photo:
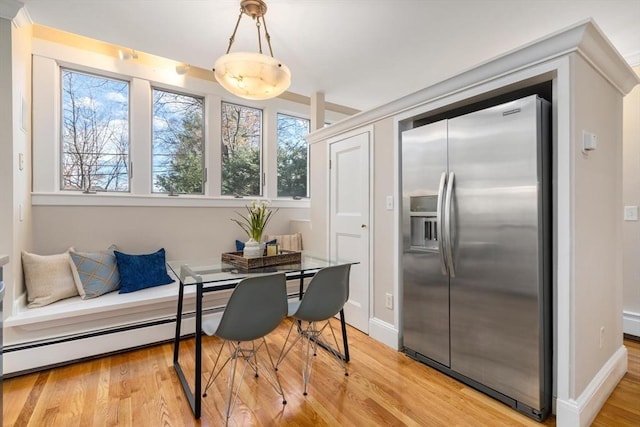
column 69, row 310
column 72, row 329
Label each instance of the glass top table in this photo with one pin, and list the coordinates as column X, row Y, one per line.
column 210, row 275
column 211, row 272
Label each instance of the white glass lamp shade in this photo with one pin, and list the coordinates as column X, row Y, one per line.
column 252, row 75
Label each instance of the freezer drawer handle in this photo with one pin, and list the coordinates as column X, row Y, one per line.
column 443, row 180
column 447, row 226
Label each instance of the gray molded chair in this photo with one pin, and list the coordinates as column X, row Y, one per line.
column 325, row 296
column 256, row 307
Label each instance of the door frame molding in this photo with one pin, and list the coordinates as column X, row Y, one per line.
column 370, row 131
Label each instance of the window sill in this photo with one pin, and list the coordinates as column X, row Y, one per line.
column 160, row 200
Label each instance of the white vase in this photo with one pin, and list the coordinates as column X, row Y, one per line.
column 252, row 249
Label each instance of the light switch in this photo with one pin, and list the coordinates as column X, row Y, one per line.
column 630, row 213
column 389, row 203
column 589, row 141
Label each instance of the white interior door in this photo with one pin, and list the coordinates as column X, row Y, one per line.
column 349, row 220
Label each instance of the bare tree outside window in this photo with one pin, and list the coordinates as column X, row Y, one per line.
column 292, row 156
column 178, row 143
column 241, row 150
column 95, row 133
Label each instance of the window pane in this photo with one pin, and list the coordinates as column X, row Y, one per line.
column 292, row 156
column 95, row 133
column 178, row 143
column 241, row 145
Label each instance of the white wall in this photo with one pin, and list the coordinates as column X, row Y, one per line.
column 597, row 222
column 383, row 271
column 318, row 180
column 185, row 232
column 631, row 197
column 15, row 142
column 6, row 145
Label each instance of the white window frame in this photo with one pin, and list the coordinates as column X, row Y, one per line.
column 261, row 157
column 294, row 116
column 205, row 132
column 63, row 69
column 49, row 57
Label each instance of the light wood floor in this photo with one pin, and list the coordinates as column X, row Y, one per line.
column 385, row 387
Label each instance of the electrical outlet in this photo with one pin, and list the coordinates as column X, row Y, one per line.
column 601, row 336
column 388, row 301
column 630, row 213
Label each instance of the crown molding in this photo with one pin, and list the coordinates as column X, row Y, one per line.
column 22, row 18
column 584, row 38
column 633, row 59
column 9, row 8
column 600, row 52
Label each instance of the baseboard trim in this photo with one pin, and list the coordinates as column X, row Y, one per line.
column 384, row 332
column 631, row 337
column 31, row 358
column 583, row 410
column 631, row 323
column 87, row 358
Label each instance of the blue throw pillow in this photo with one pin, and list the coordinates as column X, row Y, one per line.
column 240, row 245
column 142, row 271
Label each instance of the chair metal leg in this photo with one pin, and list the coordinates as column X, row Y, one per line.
column 313, row 337
column 309, row 353
column 250, row 355
column 214, row 373
column 270, row 375
column 285, row 350
column 230, row 382
column 335, row 351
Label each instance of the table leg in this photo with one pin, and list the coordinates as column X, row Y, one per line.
column 176, row 341
column 195, row 399
column 345, row 343
column 301, row 291
column 198, row 378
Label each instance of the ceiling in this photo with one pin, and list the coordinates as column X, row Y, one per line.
column 360, row 53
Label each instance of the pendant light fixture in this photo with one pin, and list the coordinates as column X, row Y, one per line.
column 252, row 75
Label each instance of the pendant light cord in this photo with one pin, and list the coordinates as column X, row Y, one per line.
column 267, row 36
column 233, row 36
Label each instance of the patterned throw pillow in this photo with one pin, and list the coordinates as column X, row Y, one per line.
column 94, row 273
column 48, row 278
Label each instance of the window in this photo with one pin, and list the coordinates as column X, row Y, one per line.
column 241, row 150
column 95, row 133
column 178, row 143
column 292, row 156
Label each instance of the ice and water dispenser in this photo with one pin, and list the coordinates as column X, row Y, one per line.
column 424, row 225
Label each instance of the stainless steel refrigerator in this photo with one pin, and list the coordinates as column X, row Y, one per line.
column 476, row 250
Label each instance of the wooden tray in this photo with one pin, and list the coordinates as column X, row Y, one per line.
column 237, row 260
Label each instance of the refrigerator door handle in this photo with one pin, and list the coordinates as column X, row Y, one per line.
column 440, row 228
column 447, row 226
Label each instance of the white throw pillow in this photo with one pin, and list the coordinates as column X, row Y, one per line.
column 48, row 278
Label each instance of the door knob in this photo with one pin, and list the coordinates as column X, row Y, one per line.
column 363, row 226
